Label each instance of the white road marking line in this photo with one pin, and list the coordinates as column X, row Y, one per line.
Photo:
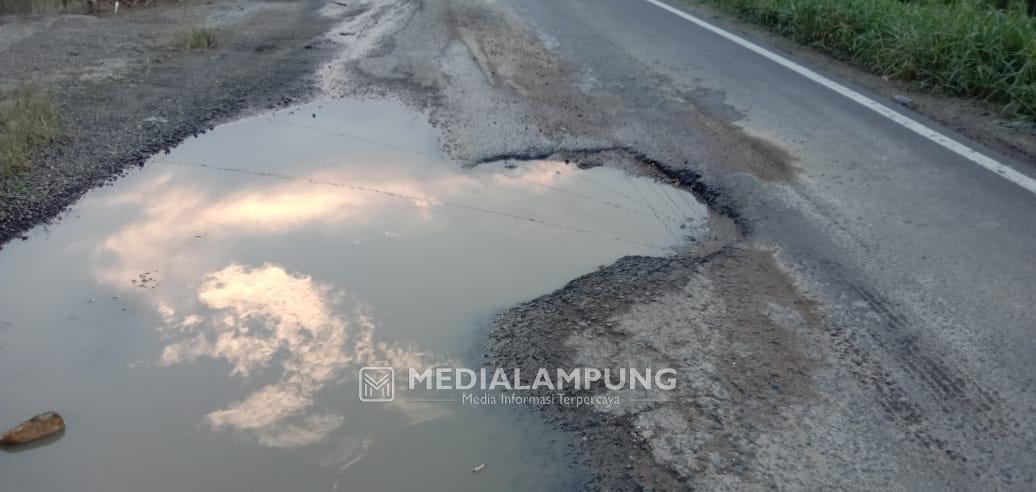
column 914, row 126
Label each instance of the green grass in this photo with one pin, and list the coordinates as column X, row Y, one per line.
column 964, row 48
column 195, row 39
column 29, row 118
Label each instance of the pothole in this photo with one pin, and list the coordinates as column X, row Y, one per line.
column 282, row 253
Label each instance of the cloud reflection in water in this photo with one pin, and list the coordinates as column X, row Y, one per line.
column 217, row 301
column 266, row 315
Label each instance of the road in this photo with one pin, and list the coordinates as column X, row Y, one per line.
column 856, row 314
column 917, row 259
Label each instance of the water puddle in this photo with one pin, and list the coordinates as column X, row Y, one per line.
column 200, row 324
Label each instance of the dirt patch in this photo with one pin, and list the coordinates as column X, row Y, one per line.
column 763, row 159
column 732, row 325
column 124, row 92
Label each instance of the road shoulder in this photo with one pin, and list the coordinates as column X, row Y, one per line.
column 973, row 119
column 126, row 93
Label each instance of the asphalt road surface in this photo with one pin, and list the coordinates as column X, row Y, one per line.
column 918, row 258
column 858, row 316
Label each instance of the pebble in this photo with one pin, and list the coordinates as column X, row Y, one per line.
column 904, row 101
column 38, row 427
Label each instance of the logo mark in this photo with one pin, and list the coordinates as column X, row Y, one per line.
column 377, row 384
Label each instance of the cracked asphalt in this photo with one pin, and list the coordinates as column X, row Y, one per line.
column 863, row 323
column 860, row 316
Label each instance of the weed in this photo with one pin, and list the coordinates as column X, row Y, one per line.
column 195, row 39
column 29, row 118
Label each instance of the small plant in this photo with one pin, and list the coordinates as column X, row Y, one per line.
column 196, row 39
column 29, row 118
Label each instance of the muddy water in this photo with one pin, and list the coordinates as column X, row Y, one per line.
column 200, row 323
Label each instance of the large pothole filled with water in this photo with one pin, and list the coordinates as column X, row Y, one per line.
column 200, row 324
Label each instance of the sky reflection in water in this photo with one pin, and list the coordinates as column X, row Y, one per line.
column 287, row 251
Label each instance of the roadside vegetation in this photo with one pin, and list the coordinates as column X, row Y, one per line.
column 983, row 49
column 29, row 118
column 195, row 39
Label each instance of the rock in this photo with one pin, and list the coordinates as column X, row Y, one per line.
column 904, row 101
column 38, row 427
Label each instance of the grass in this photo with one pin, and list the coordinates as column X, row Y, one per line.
column 195, row 39
column 29, row 118
column 967, row 48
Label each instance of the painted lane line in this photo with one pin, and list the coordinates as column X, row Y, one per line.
column 958, row 148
